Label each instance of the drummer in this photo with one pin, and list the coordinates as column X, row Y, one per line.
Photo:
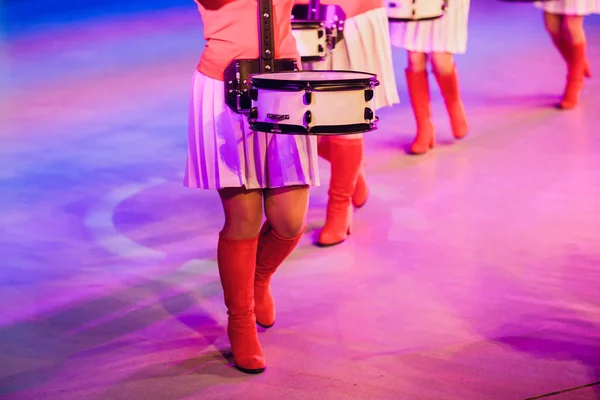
column 436, row 40
column 249, row 170
column 366, row 47
column 564, row 23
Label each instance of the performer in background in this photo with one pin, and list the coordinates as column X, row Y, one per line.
column 250, row 170
column 564, row 23
column 438, row 40
column 366, row 47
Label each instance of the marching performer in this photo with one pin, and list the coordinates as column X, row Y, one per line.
column 564, row 23
column 249, row 170
column 366, row 47
column 438, row 40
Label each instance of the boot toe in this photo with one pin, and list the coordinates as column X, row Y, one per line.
column 460, row 130
column 250, row 364
column 327, row 239
column 566, row 105
column 359, row 201
column 421, row 147
column 265, row 316
column 361, row 192
column 264, row 306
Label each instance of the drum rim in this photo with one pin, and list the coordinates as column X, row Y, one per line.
column 306, row 24
column 316, row 130
column 265, row 83
column 397, row 19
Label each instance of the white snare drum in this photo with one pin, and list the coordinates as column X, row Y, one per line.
column 415, row 10
column 313, row 102
column 311, row 40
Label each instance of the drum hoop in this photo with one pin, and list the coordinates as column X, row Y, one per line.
column 316, row 85
column 392, row 19
column 311, row 59
column 290, row 129
column 306, row 25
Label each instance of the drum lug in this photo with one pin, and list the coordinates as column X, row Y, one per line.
column 253, row 115
column 375, row 122
column 308, row 94
column 369, row 94
column 307, row 118
column 369, row 114
column 253, row 94
column 307, row 98
column 244, row 103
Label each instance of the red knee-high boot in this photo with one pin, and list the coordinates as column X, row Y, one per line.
column 236, row 259
column 361, row 190
column 418, row 89
column 575, row 76
column 564, row 50
column 272, row 251
column 346, row 160
column 448, row 84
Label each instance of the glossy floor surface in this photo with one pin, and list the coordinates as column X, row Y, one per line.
column 473, row 272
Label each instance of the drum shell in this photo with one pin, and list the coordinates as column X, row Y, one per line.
column 415, row 10
column 311, row 40
column 333, row 110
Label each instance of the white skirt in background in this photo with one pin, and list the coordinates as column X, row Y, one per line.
column 447, row 34
column 366, row 48
column 570, row 7
column 224, row 152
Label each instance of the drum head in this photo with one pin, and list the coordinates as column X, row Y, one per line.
column 300, row 80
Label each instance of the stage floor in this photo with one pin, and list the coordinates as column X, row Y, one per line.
column 473, row 271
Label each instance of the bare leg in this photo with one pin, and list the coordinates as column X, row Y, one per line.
column 443, row 63
column 286, row 213
column 573, row 29
column 418, row 89
column 446, row 75
column 236, row 257
column 574, row 36
column 417, row 61
column 564, row 31
column 243, row 212
column 286, row 209
column 553, row 24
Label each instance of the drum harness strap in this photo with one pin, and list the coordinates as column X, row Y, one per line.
column 314, row 9
column 265, row 37
column 265, row 24
column 237, row 74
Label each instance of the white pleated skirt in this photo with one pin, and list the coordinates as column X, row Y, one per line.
column 447, row 34
column 223, row 152
column 570, row 7
column 366, row 48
